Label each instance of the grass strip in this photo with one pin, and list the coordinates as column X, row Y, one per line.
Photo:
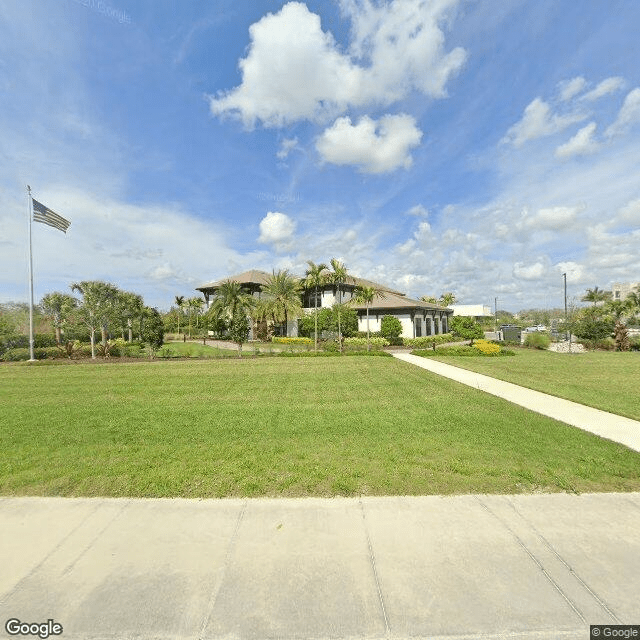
column 283, row 427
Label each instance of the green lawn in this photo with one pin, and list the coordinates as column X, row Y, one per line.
column 607, row 380
column 283, row 427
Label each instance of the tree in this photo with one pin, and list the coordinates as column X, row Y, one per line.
column 282, row 297
column 467, row 328
column 390, row 327
column 314, row 278
column 152, row 329
column 596, row 295
column 633, row 303
column 591, row 324
column 366, row 296
column 97, row 309
column 621, row 336
column 447, row 298
column 338, row 277
column 429, row 299
column 230, row 299
column 179, row 302
column 215, row 321
column 239, row 328
column 59, row 306
column 128, row 307
column 194, row 307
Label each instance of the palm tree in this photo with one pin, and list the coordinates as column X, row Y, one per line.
column 338, row 277
column 596, row 295
column 429, row 299
column 633, row 302
column 179, row 303
column 314, row 277
column 231, row 301
column 366, row 296
column 447, row 298
column 98, row 306
column 58, row 306
column 282, row 297
column 128, row 306
column 194, row 305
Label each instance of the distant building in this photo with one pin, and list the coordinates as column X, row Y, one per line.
column 620, row 290
column 478, row 312
column 418, row 318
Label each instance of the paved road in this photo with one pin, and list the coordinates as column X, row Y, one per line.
column 602, row 423
column 537, row 566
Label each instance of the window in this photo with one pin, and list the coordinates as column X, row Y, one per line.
column 311, row 299
column 418, row 327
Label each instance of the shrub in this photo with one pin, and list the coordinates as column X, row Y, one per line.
column 283, row 340
column 40, row 353
column 486, row 348
column 537, row 340
column 427, row 341
column 464, row 350
column 390, row 327
column 376, row 343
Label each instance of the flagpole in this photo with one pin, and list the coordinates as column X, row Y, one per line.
column 31, row 358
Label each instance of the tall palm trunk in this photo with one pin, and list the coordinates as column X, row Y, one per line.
column 315, row 321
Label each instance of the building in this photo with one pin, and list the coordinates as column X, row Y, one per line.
column 620, row 290
column 478, row 312
column 417, row 318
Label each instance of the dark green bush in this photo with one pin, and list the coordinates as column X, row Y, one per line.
column 390, row 327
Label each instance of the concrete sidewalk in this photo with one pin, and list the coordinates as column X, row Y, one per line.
column 536, row 566
column 607, row 425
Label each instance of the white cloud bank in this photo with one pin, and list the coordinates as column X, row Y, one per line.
column 373, row 146
column 296, row 71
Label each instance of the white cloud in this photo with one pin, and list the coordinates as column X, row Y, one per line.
column 277, row 229
column 419, row 211
column 581, row 144
column 373, row 146
column 604, row 88
column 286, row 147
column 571, row 88
column 628, row 116
column 533, row 271
column 295, row 71
column 630, row 213
column 537, row 122
column 552, row 218
column 574, row 270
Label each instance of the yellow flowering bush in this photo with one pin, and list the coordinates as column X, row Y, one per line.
column 487, row 348
column 282, row 340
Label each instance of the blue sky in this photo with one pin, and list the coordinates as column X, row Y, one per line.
column 473, row 146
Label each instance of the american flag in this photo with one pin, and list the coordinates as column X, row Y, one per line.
column 46, row 216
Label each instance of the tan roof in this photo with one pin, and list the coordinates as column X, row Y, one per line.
column 253, row 276
column 393, row 301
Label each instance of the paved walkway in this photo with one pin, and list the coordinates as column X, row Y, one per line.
column 539, row 566
column 604, row 424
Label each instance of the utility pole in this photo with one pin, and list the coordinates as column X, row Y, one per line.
column 566, row 317
column 495, row 309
